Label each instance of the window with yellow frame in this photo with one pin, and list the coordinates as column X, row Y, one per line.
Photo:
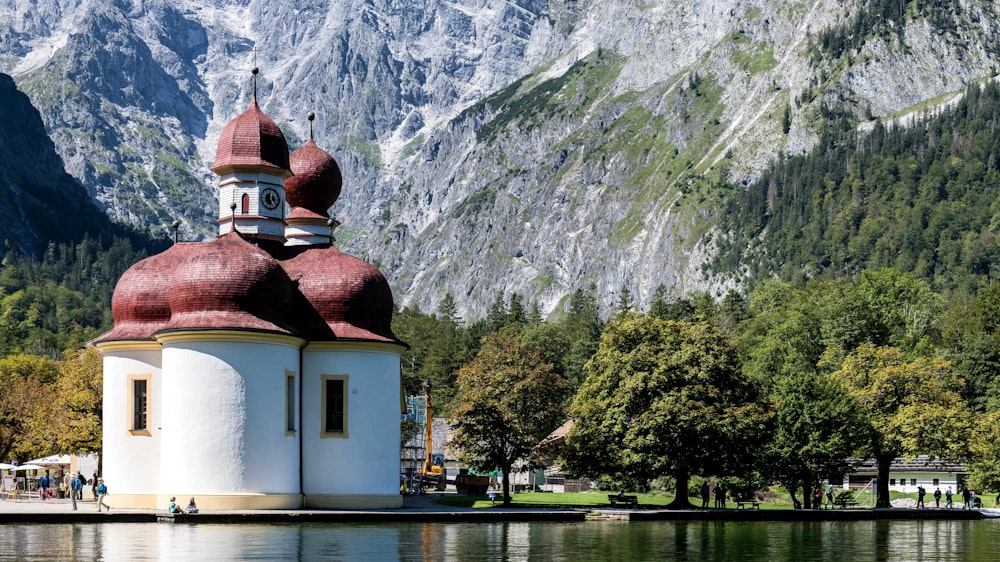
column 139, row 387
column 334, row 406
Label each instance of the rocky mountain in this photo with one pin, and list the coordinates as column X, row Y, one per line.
column 487, row 145
column 41, row 203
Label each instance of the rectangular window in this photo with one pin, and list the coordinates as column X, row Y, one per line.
column 913, row 481
column 334, row 395
column 289, row 402
column 138, row 404
column 892, row 481
column 937, row 481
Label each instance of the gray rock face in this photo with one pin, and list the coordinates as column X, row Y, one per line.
column 526, row 145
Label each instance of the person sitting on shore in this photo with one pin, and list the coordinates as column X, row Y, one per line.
column 192, row 507
column 173, row 507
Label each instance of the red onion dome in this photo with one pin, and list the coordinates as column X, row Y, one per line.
column 139, row 305
column 349, row 297
column 316, row 182
column 229, row 283
column 251, row 139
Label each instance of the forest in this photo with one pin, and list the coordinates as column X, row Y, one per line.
column 921, row 199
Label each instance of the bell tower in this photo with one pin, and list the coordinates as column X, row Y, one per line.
column 251, row 161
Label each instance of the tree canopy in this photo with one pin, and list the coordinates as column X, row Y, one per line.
column 910, row 407
column 662, row 397
column 508, row 401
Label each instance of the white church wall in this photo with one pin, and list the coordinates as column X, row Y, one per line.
column 366, row 461
column 131, row 460
column 225, row 432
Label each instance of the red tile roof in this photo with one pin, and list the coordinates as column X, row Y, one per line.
column 139, row 305
column 350, row 296
column 317, row 181
column 321, row 294
column 229, row 283
column 251, row 139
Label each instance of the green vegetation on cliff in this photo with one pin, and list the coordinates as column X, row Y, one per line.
column 922, row 199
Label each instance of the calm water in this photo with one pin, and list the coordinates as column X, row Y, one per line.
column 770, row 542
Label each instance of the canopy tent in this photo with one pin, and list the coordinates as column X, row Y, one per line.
column 52, row 460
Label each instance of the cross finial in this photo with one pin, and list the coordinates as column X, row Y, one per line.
column 255, row 71
column 311, row 117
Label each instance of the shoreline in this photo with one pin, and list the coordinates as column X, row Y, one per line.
column 425, row 509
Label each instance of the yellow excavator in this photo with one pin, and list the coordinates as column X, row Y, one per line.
column 433, row 474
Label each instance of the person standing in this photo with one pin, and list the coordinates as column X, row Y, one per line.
column 921, row 492
column 102, row 492
column 83, row 482
column 829, row 495
column 705, row 493
column 93, row 484
column 965, row 498
column 75, row 487
column 947, row 497
column 43, row 485
column 937, row 497
column 720, row 497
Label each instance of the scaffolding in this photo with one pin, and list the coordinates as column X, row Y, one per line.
column 413, row 454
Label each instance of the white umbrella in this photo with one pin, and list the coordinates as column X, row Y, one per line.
column 5, row 466
column 29, row 467
column 53, row 459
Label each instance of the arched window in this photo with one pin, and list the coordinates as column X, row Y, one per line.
column 246, row 203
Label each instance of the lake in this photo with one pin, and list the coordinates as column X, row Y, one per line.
column 551, row 542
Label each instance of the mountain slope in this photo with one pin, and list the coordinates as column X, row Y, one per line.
column 487, row 145
column 41, row 202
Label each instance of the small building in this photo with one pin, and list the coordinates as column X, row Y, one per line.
column 906, row 475
column 548, row 450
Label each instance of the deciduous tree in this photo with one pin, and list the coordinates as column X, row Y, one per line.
column 816, row 425
column 26, row 390
column 79, row 399
column 911, row 408
column 509, row 400
column 662, row 398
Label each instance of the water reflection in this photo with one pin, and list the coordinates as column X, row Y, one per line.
column 773, row 542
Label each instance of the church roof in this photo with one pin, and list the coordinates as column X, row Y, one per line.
column 139, row 305
column 251, row 139
column 229, row 283
column 316, row 182
column 315, row 292
column 350, row 296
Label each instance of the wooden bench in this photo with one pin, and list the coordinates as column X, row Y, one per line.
column 628, row 501
column 748, row 503
column 845, row 500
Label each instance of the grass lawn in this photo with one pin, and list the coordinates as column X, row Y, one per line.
column 597, row 498
column 548, row 499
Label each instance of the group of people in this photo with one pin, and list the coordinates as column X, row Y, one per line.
column 968, row 498
column 98, row 488
column 174, row 508
column 76, row 483
column 706, row 493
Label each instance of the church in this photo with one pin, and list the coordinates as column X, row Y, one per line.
column 258, row 370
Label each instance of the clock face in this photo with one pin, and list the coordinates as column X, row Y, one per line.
column 269, row 199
